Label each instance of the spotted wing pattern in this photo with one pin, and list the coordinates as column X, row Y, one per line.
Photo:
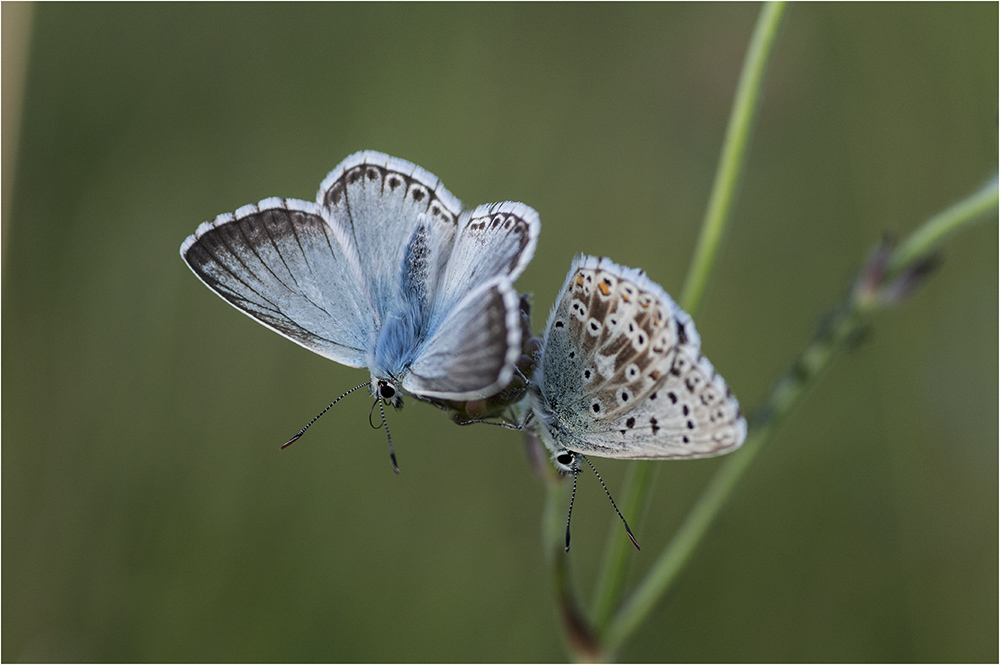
column 622, row 373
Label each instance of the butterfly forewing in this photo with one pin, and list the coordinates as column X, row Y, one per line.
column 379, row 200
column 282, row 263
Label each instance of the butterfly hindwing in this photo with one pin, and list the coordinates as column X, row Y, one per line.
column 472, row 353
column 690, row 414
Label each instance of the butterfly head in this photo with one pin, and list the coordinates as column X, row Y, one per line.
column 387, row 390
column 566, row 462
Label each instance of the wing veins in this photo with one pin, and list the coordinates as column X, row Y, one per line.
column 277, row 313
column 236, row 277
column 305, row 259
column 275, row 309
column 264, row 263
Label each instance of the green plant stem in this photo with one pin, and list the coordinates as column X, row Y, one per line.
column 942, row 225
column 728, row 175
column 580, row 638
column 854, row 313
column 611, row 578
column 734, row 154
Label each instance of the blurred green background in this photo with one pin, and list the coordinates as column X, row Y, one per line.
column 147, row 511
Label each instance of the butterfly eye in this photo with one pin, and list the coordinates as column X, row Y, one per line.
column 565, row 461
column 386, row 391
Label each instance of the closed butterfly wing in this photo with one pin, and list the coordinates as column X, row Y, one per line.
column 284, row 263
column 690, row 414
column 622, row 374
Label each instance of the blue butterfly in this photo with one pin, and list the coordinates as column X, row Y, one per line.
column 385, row 270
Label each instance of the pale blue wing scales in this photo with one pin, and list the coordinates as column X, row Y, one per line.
column 494, row 240
column 423, row 258
column 472, row 353
column 281, row 262
column 379, row 200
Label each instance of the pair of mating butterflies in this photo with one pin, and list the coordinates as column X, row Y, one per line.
column 387, row 271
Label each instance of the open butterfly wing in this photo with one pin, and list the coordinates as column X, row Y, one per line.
column 472, row 353
column 474, row 320
column 494, row 240
column 379, row 200
column 285, row 265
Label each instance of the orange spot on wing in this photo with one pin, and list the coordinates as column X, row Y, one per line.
column 603, row 286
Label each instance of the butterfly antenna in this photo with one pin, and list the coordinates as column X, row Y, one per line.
column 627, row 530
column 385, row 424
column 303, row 430
column 572, row 498
column 480, row 421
